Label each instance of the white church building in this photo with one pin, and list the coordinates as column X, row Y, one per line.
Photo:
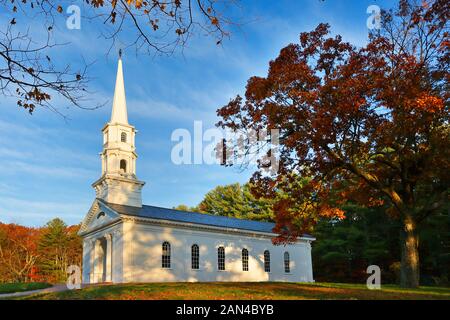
column 126, row 241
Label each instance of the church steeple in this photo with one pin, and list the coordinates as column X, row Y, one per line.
column 118, row 183
column 119, row 110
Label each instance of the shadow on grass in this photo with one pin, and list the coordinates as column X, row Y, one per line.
column 241, row 291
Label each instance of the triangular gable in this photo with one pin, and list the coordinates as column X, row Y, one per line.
column 98, row 215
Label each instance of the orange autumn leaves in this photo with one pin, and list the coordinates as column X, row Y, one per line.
column 24, row 257
column 428, row 103
column 18, row 251
column 362, row 124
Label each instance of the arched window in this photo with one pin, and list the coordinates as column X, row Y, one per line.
column 287, row 263
column 267, row 261
column 221, row 258
column 244, row 260
column 101, row 214
column 195, row 257
column 166, row 254
column 123, row 165
column 123, row 137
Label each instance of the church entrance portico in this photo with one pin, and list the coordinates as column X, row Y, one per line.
column 102, row 261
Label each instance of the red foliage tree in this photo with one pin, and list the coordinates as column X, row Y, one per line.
column 369, row 124
column 24, row 258
column 18, row 252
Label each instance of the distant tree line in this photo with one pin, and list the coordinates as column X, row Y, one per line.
column 38, row 254
column 346, row 247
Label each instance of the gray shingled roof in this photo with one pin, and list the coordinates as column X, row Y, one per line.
column 193, row 217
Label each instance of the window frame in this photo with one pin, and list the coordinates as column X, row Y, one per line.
column 123, row 137
column 287, row 262
column 266, row 261
column 195, row 257
column 221, row 265
column 166, row 255
column 244, row 258
column 123, row 161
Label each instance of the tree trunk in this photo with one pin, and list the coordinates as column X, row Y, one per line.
column 409, row 271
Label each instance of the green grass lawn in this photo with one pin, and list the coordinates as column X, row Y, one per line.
column 20, row 287
column 248, row 291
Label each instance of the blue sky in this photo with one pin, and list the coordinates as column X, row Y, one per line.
column 48, row 164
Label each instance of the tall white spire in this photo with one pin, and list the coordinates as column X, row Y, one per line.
column 118, row 183
column 119, row 110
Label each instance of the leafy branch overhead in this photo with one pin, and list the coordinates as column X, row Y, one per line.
column 29, row 73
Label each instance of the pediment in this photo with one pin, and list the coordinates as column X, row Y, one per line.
column 98, row 215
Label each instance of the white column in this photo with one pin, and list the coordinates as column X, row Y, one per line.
column 108, row 259
column 92, row 261
column 310, row 276
column 98, row 261
column 117, row 256
column 86, row 261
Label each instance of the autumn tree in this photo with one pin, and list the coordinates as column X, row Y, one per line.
column 367, row 124
column 18, row 252
column 30, row 72
column 75, row 245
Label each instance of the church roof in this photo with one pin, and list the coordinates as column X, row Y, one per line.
column 159, row 213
